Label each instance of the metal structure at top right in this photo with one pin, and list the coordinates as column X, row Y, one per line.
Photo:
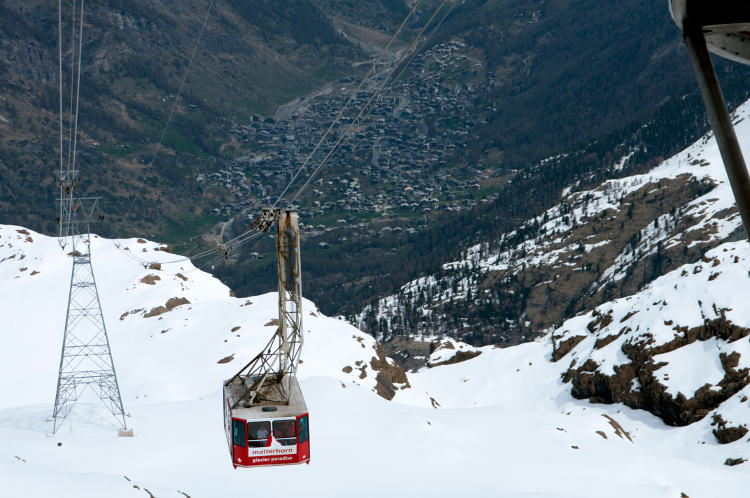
column 721, row 27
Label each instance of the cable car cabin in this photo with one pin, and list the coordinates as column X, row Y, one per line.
column 265, row 416
column 265, row 433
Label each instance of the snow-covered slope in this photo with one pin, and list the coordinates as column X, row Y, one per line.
column 499, row 423
column 184, row 344
column 593, row 246
column 679, row 348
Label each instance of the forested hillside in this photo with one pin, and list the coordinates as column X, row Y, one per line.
column 594, row 246
column 252, row 57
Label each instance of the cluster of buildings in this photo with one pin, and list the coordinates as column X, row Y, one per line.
column 401, row 159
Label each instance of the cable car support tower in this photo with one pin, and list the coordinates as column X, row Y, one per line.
column 86, row 359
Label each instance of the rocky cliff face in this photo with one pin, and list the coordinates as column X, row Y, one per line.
column 678, row 349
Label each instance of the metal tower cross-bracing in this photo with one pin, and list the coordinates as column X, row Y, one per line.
column 267, row 378
column 86, row 360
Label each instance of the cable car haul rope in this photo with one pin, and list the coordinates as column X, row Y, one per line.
column 404, row 59
column 265, row 416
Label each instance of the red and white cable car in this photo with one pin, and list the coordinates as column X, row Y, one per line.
column 265, row 415
column 267, row 434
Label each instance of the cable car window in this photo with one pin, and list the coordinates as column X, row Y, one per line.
column 285, row 432
column 238, row 433
column 257, row 433
column 302, row 430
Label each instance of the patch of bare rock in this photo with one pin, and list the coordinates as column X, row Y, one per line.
column 390, row 376
column 169, row 306
column 635, row 384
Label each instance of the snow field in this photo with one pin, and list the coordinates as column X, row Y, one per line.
column 502, row 423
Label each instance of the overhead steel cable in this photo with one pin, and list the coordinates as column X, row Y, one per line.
column 432, row 32
column 67, row 168
column 242, row 238
column 145, row 263
column 60, row 85
column 355, row 121
column 60, row 76
column 78, row 90
column 349, row 101
column 72, row 83
column 252, row 233
column 171, row 113
column 67, row 172
column 164, row 131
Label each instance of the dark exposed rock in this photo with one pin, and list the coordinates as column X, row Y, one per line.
column 619, row 431
column 457, row 358
column 589, row 383
column 388, row 375
column 169, row 306
column 734, row 461
column 604, row 341
column 150, row 279
column 434, row 346
column 562, row 348
column 226, row 359
column 411, row 354
column 724, row 434
column 600, row 321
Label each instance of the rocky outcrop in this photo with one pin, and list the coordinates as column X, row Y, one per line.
column 561, row 348
column 635, row 384
column 724, row 434
column 390, row 376
column 150, row 279
column 451, row 354
column 169, row 306
column 459, row 357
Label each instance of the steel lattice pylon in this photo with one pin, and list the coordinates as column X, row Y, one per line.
column 86, row 359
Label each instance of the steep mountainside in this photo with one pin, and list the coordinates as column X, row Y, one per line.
column 595, row 245
column 571, row 71
column 678, row 348
column 546, row 93
column 252, row 57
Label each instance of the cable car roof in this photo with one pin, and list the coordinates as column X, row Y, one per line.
column 725, row 24
column 295, row 407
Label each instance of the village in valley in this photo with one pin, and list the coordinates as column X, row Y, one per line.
column 394, row 162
